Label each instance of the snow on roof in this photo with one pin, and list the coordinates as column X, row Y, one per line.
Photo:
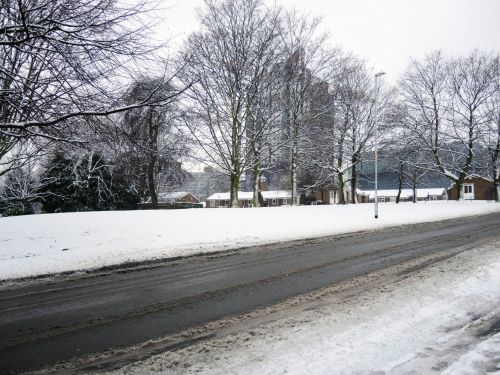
column 405, row 193
column 227, row 195
column 173, row 195
column 423, row 193
column 276, row 194
column 242, row 195
column 471, row 176
column 218, row 196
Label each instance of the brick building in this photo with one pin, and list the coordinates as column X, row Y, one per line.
column 474, row 188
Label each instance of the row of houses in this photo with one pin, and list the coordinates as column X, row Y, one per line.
column 474, row 188
column 269, row 198
column 277, row 198
column 406, row 195
column 384, row 195
column 273, row 198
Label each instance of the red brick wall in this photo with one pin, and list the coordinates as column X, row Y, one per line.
column 483, row 189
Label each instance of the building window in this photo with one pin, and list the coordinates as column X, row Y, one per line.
column 273, row 202
column 284, row 201
column 381, row 199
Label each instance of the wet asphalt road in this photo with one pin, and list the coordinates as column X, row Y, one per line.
column 44, row 324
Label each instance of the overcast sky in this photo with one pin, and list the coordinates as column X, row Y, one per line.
column 385, row 32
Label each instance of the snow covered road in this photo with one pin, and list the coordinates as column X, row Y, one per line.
column 443, row 318
column 101, row 315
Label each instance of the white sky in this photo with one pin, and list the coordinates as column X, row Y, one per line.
column 385, row 32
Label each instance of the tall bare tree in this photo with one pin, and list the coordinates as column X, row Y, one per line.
column 491, row 138
column 62, row 62
column 308, row 61
column 265, row 131
column 229, row 59
column 154, row 145
column 447, row 106
column 470, row 89
column 346, row 137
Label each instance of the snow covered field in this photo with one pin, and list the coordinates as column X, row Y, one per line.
column 53, row 243
column 441, row 319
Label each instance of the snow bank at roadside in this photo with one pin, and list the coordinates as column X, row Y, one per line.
column 52, row 243
column 482, row 359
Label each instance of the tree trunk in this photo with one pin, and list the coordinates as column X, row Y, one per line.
column 256, row 183
column 354, row 162
column 496, row 163
column 87, row 181
column 26, row 207
column 496, row 173
column 496, row 168
column 414, row 192
column 354, row 182
column 400, row 182
column 151, row 181
column 153, row 147
column 458, row 187
column 293, row 175
column 235, row 185
column 341, row 189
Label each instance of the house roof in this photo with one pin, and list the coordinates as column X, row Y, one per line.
column 405, row 193
column 478, row 176
column 276, row 194
column 227, row 195
column 242, row 195
column 468, row 177
column 173, row 195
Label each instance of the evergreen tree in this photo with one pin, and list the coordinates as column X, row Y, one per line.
column 62, row 193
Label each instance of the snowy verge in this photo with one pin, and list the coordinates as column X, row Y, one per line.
column 440, row 319
column 54, row 243
column 484, row 358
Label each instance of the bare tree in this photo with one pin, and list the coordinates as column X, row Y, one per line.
column 491, row 138
column 347, row 134
column 265, row 131
column 92, row 175
column 405, row 154
column 63, row 62
column 360, row 104
column 229, row 60
column 470, row 89
column 309, row 59
column 407, row 158
column 24, row 186
column 423, row 90
column 446, row 103
column 153, row 144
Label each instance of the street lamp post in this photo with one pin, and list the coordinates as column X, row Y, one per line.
column 376, row 141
